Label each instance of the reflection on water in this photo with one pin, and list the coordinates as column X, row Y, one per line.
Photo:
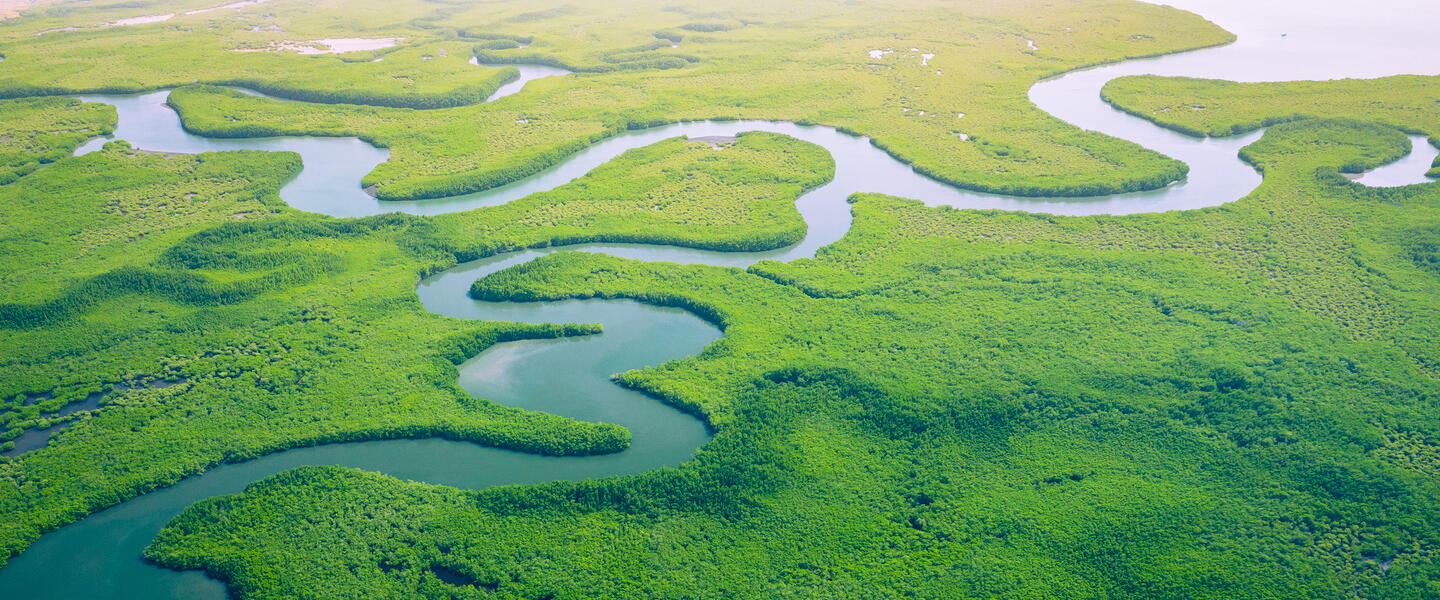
column 1406, row 171
column 1290, row 40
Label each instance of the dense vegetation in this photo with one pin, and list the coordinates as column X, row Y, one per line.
column 133, row 267
column 1236, row 402
column 1233, row 402
column 729, row 196
column 39, row 131
column 1212, row 107
column 775, row 61
column 424, row 72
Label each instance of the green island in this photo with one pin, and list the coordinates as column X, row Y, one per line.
column 1211, row 107
column 1216, row 108
column 1239, row 399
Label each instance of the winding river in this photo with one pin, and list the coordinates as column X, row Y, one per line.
column 100, row 555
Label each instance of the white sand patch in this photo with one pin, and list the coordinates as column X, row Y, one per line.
column 879, row 54
column 232, row 5
column 1031, row 44
column 140, row 20
column 327, row 46
column 925, row 59
column 146, row 20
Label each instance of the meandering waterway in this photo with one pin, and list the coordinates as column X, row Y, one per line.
column 100, row 555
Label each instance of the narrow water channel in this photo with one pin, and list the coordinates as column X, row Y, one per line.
column 100, row 555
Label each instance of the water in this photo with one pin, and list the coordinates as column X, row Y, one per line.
column 100, row 554
column 528, row 73
column 330, row 182
column 36, row 439
column 1403, row 172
